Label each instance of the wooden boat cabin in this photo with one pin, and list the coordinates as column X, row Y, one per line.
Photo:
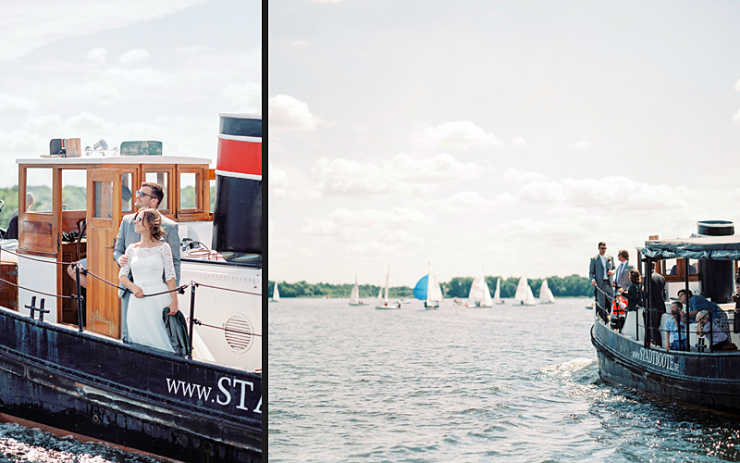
column 66, row 194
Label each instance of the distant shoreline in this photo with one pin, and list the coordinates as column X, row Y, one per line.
column 566, row 286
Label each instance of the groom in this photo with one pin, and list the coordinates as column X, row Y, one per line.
column 148, row 196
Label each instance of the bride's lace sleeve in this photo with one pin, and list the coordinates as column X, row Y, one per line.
column 169, row 266
column 126, row 269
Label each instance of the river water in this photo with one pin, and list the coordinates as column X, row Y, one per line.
column 513, row 384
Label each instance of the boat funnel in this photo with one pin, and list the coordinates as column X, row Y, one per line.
column 237, row 219
column 717, row 276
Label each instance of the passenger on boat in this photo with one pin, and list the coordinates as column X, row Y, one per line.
column 656, row 293
column 600, row 270
column 720, row 334
column 149, row 195
column 635, row 296
column 697, row 303
column 674, row 270
column 147, row 260
column 622, row 277
column 675, row 329
column 12, row 231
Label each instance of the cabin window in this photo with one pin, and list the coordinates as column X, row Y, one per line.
column 161, row 178
column 188, row 191
column 74, row 190
column 103, row 200
column 212, row 205
column 38, row 190
column 127, row 192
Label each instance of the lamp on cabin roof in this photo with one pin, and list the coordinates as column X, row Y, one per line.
column 141, row 148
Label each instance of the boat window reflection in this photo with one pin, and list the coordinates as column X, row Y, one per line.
column 126, row 189
column 103, row 200
column 188, row 193
column 74, row 190
column 38, row 184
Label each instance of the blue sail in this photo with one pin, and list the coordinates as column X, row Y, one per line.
column 420, row 290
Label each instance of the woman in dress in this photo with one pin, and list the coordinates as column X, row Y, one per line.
column 148, row 260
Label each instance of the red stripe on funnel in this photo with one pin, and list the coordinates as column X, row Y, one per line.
column 239, row 156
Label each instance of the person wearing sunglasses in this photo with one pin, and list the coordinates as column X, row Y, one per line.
column 149, row 196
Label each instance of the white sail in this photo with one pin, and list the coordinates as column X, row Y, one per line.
column 524, row 295
column 387, row 276
column 479, row 295
column 497, row 296
column 380, row 293
column 434, row 293
column 276, row 293
column 546, row 296
column 354, row 297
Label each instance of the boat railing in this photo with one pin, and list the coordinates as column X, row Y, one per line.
column 80, row 299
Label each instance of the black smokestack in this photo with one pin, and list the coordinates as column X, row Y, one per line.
column 237, row 219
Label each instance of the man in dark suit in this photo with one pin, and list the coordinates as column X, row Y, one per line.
column 600, row 270
column 657, row 295
column 622, row 275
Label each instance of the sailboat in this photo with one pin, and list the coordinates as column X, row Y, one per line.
column 546, row 296
column 275, row 294
column 385, row 304
column 428, row 290
column 524, row 294
column 479, row 295
column 354, row 298
column 497, row 295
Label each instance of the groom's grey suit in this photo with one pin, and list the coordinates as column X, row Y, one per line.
column 126, row 237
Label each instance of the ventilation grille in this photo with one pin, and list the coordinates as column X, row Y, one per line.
column 237, row 331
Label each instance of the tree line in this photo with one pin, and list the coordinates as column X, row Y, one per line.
column 568, row 286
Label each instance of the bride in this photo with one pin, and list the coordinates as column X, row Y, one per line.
column 148, row 260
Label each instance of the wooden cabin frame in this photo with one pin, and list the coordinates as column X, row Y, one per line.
column 40, row 233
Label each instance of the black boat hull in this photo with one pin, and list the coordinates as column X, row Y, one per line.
column 707, row 380
column 127, row 395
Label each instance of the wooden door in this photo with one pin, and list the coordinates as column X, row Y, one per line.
column 104, row 218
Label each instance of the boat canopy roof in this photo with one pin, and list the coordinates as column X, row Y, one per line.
column 694, row 247
column 46, row 160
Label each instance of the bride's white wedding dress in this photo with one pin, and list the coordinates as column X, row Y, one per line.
column 144, row 316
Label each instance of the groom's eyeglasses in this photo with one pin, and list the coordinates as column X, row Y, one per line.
column 142, row 193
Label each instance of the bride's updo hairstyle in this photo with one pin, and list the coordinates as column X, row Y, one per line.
column 153, row 221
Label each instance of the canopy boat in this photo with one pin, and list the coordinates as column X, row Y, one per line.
column 497, row 295
column 427, row 289
column 696, row 373
column 546, row 296
column 479, row 295
column 354, row 298
column 385, row 304
column 276, row 293
column 62, row 360
column 523, row 295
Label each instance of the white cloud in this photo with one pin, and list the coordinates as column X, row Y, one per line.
column 519, row 142
column 467, row 202
column 736, row 117
column 278, row 183
column 737, row 85
column 243, row 98
column 10, row 103
column 613, row 193
column 456, row 135
column 287, row 112
column 97, row 55
column 192, row 50
column 581, row 145
column 402, row 173
column 27, row 28
column 327, row 2
column 300, row 43
column 135, row 56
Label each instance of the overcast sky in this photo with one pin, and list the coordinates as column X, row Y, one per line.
column 123, row 70
column 504, row 137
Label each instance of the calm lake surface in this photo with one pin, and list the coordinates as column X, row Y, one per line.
column 513, row 384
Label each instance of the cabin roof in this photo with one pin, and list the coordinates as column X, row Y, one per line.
column 61, row 161
column 695, row 247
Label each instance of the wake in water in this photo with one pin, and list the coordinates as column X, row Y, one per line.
column 583, row 371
